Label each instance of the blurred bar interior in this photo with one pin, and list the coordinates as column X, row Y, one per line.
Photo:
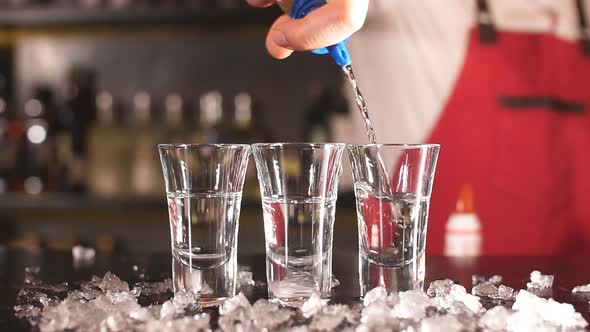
column 89, row 87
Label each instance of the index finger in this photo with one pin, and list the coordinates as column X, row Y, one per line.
column 260, row 3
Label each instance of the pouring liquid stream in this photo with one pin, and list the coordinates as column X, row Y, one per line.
column 362, row 108
column 360, row 103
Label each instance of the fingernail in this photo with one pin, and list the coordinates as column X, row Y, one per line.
column 279, row 39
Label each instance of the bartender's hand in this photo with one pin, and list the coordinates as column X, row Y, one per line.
column 325, row 26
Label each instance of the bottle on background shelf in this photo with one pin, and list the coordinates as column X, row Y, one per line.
column 109, row 146
column 174, row 118
column 36, row 157
column 248, row 129
column 211, row 113
column 463, row 229
column 145, row 170
column 81, row 104
column 10, row 132
column 322, row 105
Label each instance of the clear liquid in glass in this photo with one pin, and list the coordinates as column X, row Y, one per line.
column 203, row 229
column 392, row 239
column 298, row 245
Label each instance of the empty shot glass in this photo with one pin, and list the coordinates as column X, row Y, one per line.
column 299, row 187
column 392, row 186
column 204, row 191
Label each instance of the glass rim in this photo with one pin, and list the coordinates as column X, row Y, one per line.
column 397, row 145
column 204, row 145
column 298, row 144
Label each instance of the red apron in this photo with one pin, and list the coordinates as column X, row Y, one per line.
column 517, row 128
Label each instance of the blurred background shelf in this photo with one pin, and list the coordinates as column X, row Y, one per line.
column 43, row 17
column 88, row 88
column 60, row 202
column 72, row 201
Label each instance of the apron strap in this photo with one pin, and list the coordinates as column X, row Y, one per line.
column 485, row 23
column 584, row 30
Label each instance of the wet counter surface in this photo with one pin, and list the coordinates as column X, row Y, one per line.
column 56, row 267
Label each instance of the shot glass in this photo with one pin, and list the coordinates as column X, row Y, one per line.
column 392, row 186
column 299, row 188
column 204, row 191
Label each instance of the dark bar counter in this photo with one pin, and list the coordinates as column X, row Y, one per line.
column 58, row 267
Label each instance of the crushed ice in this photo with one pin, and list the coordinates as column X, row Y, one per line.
column 313, row 305
column 478, row 279
column 540, row 281
column 581, row 289
column 110, row 304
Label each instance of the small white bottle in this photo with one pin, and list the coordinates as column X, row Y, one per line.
column 463, row 229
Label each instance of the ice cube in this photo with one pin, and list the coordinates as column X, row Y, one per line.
column 48, row 301
column 115, row 323
column 478, row 279
column 412, row 305
column 27, row 296
column 540, row 281
column 184, row 299
column 314, row 304
column 331, row 317
column 177, row 305
column 264, row 306
column 136, row 291
column 485, row 289
column 528, row 301
column 563, row 315
column 377, row 316
column 111, row 282
column 440, row 287
column 534, row 311
column 245, row 279
column 238, row 301
column 26, row 311
column 168, row 310
column 495, row 319
column 184, row 324
column 155, row 288
column 459, row 294
column 263, row 320
column 458, row 308
column 236, row 320
column 392, row 299
column 581, row 289
column 495, row 280
column 378, row 293
column 141, row 315
column 505, row 293
column 445, row 323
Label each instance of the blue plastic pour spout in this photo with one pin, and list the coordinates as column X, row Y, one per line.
column 339, row 52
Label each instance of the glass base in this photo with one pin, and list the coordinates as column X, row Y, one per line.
column 394, row 279
column 293, row 287
column 291, row 302
column 294, row 302
column 211, row 287
column 211, row 302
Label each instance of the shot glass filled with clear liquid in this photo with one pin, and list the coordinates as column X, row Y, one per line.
column 204, row 191
column 392, row 186
column 299, row 187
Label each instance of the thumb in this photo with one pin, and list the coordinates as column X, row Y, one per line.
column 325, row 26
